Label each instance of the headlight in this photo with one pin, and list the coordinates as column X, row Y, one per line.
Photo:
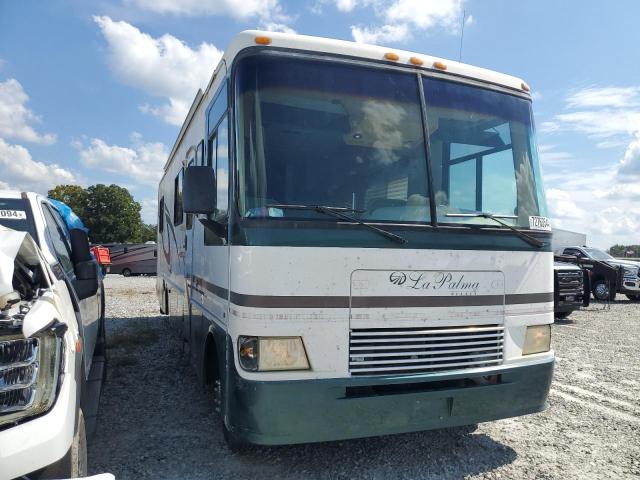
column 630, row 271
column 29, row 370
column 272, row 353
column 537, row 339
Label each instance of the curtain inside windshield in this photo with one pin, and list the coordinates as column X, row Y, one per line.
column 322, row 133
column 482, row 154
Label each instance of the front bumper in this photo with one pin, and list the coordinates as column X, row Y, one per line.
column 304, row 411
column 37, row 443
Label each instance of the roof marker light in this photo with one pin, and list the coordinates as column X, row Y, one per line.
column 262, row 40
column 440, row 65
column 524, row 87
column 392, row 56
column 416, row 61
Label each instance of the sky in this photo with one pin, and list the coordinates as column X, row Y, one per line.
column 95, row 91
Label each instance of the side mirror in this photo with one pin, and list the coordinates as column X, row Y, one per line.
column 84, row 265
column 199, row 190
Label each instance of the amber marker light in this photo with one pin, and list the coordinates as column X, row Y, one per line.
column 440, row 65
column 416, row 61
column 524, row 87
column 262, row 40
column 394, row 57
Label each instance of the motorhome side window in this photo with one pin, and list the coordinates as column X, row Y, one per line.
column 177, row 199
column 189, row 222
column 222, row 169
column 161, row 215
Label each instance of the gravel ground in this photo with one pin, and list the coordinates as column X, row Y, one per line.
column 157, row 422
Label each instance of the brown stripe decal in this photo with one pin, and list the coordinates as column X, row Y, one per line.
column 312, row 301
column 424, row 301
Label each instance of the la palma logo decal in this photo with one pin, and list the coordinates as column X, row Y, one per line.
column 398, row 278
column 455, row 283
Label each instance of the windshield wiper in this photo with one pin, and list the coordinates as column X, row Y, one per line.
column 496, row 218
column 339, row 212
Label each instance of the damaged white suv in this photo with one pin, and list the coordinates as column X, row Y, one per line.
column 52, row 341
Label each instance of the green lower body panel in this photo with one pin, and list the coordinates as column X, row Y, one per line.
column 287, row 412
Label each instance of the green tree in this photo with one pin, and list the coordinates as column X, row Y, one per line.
column 149, row 232
column 73, row 195
column 112, row 215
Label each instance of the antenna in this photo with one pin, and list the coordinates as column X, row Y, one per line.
column 464, row 20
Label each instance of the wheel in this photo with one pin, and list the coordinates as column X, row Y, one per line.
column 634, row 298
column 562, row 314
column 74, row 463
column 126, row 272
column 601, row 290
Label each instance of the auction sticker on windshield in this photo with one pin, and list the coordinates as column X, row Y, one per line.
column 13, row 214
column 539, row 223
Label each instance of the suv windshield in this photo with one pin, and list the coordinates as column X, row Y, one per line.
column 314, row 132
column 15, row 213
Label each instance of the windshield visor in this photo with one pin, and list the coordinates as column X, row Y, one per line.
column 483, row 154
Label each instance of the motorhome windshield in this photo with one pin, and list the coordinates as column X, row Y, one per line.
column 343, row 135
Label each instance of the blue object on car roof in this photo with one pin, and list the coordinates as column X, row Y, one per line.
column 69, row 217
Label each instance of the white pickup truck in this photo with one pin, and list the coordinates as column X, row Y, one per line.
column 52, row 340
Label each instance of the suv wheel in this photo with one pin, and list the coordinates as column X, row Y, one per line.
column 126, row 272
column 634, row 298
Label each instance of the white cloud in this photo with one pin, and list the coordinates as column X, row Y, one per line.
column 599, row 112
column 616, row 97
column 399, row 17
column 21, row 172
column 142, row 161
column 562, row 206
column 164, row 66
column 16, row 119
column 629, row 166
column 269, row 13
column 384, row 33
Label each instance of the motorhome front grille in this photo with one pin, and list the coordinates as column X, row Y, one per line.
column 384, row 351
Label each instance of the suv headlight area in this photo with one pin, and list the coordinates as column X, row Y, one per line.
column 29, row 373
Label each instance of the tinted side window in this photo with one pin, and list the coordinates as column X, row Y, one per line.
column 161, row 215
column 177, row 199
column 57, row 240
column 222, row 169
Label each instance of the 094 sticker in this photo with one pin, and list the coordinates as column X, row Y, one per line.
column 13, row 214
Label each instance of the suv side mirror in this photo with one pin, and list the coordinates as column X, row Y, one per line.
column 84, row 265
column 199, row 190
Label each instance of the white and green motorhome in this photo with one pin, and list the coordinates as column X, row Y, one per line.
column 356, row 241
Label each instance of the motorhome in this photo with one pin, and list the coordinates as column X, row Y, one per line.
column 132, row 258
column 355, row 240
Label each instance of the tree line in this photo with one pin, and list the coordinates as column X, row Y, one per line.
column 108, row 211
column 625, row 251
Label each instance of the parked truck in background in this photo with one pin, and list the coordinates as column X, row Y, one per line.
column 608, row 275
column 52, row 340
column 571, row 288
